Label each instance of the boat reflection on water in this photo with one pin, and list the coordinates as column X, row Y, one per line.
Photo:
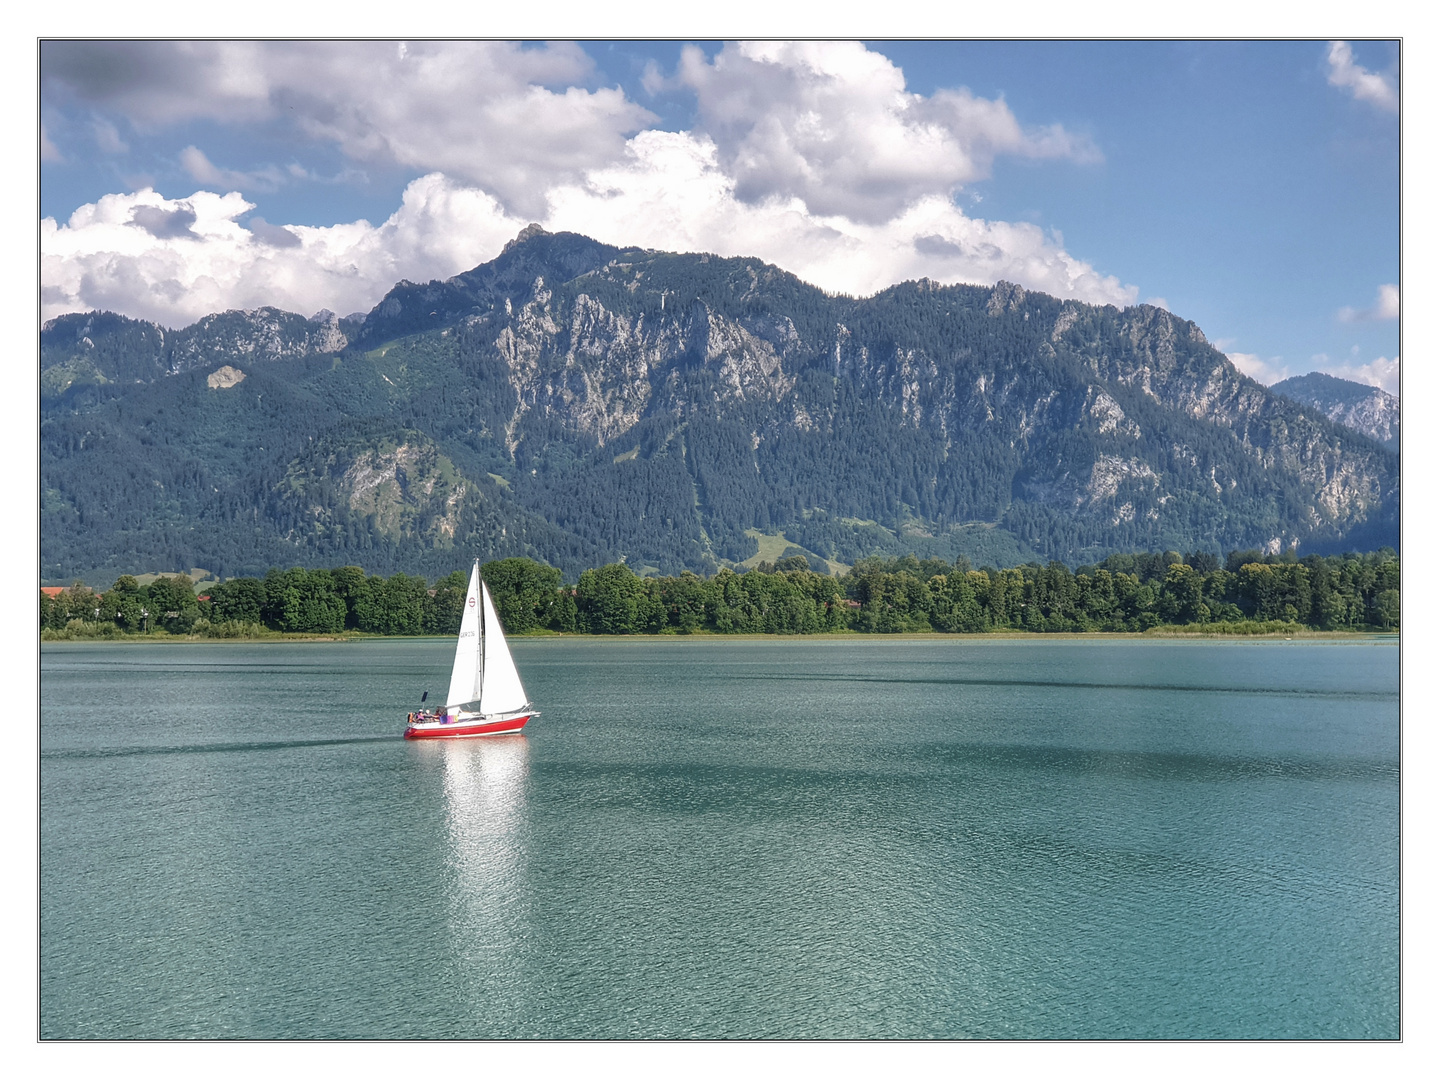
column 485, row 782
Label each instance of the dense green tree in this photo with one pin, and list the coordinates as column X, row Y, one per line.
column 394, row 605
column 349, row 585
column 610, row 600
column 127, row 605
column 238, row 600
column 172, row 603
column 525, row 592
column 1182, row 596
column 878, row 595
column 1387, row 609
column 957, row 609
column 446, row 604
column 302, row 602
column 684, row 598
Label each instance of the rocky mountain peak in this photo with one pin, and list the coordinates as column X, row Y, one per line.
column 1366, row 409
column 1005, row 297
column 528, row 233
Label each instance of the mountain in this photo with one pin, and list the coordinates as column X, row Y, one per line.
column 101, row 349
column 1366, row 409
column 581, row 403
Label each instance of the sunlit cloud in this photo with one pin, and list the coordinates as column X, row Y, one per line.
column 202, row 171
column 1265, row 371
column 482, row 112
column 1386, row 306
column 107, row 138
column 673, row 193
column 811, row 155
column 174, row 260
column 832, row 124
column 1382, row 372
column 48, row 150
column 1368, row 86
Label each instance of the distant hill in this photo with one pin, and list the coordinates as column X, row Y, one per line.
column 581, row 403
column 1366, row 409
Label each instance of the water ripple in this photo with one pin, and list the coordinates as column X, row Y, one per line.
column 726, row 840
column 212, row 748
column 1144, row 687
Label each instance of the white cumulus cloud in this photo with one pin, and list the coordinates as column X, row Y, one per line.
column 482, row 112
column 1267, row 372
column 48, row 150
column 174, row 260
column 672, row 193
column 108, row 139
column 203, row 171
column 1364, row 85
column 1386, row 306
column 832, row 124
column 810, row 155
column 1383, row 372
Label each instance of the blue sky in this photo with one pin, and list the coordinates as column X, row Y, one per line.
column 1253, row 187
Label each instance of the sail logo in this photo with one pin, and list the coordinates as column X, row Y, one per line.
column 471, row 601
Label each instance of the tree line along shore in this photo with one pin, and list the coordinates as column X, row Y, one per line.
column 1248, row 593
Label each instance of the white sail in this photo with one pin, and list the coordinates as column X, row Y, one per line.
column 503, row 692
column 465, row 676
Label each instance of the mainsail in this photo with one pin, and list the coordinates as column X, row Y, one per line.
column 484, row 670
column 502, row 691
column 465, row 676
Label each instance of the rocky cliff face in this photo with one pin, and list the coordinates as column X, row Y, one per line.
column 1090, row 401
column 263, row 334
column 403, row 489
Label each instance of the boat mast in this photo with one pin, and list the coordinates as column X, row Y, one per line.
column 480, row 639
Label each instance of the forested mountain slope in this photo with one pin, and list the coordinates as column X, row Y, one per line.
column 1366, row 409
column 580, row 403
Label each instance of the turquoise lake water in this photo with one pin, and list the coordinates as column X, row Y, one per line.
column 873, row 838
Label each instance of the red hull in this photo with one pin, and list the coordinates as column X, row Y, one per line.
column 461, row 730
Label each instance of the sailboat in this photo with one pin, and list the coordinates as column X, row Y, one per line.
column 485, row 696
